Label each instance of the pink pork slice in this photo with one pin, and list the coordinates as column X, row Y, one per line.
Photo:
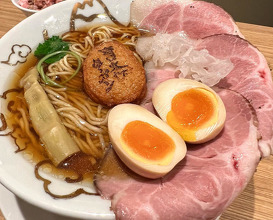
column 250, row 76
column 197, row 19
column 154, row 77
column 202, row 185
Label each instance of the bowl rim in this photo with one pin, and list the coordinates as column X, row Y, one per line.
column 56, row 20
column 15, row 3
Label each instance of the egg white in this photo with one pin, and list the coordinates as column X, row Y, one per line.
column 119, row 117
column 167, row 90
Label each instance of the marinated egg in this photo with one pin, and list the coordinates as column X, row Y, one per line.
column 145, row 143
column 192, row 109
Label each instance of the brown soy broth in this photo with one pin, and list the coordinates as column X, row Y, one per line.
column 77, row 166
column 35, row 152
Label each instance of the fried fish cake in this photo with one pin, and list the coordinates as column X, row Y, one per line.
column 113, row 75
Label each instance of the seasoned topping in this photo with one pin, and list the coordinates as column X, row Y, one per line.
column 109, row 53
column 113, row 75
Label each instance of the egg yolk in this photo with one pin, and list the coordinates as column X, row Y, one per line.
column 192, row 110
column 147, row 143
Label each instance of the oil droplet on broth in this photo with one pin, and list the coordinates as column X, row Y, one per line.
column 28, row 156
column 47, row 169
column 61, row 176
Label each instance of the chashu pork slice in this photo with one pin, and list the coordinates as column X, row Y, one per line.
column 199, row 187
column 197, row 19
column 250, row 77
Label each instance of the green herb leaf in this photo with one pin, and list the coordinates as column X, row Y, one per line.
column 51, row 45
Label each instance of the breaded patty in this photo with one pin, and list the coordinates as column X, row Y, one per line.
column 113, row 75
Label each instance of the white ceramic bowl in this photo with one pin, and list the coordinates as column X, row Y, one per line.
column 16, row 172
column 26, row 11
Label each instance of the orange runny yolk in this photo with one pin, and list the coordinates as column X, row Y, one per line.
column 147, row 143
column 191, row 110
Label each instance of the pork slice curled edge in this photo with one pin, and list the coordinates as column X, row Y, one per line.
column 202, row 185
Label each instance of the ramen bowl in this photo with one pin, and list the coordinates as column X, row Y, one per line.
column 17, row 169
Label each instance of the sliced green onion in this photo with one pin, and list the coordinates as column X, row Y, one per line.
column 49, row 81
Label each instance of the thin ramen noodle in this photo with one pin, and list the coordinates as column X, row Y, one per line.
column 85, row 120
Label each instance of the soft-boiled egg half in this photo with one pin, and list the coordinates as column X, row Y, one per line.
column 191, row 108
column 145, row 143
